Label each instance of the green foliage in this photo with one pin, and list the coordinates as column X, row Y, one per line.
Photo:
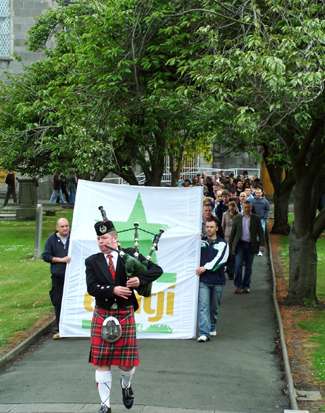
column 317, row 326
column 108, row 94
column 265, row 76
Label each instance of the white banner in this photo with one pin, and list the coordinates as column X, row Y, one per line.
column 172, row 309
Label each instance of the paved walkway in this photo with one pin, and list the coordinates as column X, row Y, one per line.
column 236, row 372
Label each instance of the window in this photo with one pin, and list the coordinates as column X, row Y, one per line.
column 5, row 26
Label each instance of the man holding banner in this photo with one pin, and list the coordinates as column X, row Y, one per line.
column 214, row 256
column 113, row 331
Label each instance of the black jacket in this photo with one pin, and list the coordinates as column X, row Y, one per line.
column 100, row 283
column 54, row 247
column 219, row 210
column 255, row 229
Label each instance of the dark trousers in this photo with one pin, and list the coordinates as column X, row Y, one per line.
column 56, row 294
column 231, row 266
column 10, row 192
column 244, row 258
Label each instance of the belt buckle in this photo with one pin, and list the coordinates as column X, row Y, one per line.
column 114, row 306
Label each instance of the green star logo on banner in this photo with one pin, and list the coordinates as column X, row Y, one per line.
column 145, row 240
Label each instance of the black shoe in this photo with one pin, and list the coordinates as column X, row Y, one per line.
column 104, row 409
column 128, row 396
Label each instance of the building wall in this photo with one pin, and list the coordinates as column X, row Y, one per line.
column 23, row 14
column 223, row 160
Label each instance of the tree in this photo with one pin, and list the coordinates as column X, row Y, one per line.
column 265, row 72
column 110, row 97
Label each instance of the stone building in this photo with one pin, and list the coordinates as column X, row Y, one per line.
column 16, row 18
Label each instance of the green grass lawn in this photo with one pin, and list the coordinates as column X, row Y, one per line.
column 316, row 325
column 24, row 282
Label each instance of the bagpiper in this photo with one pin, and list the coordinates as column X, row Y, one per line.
column 113, row 332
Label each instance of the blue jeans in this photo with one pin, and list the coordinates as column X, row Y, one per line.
column 57, row 196
column 263, row 223
column 206, row 325
column 244, row 257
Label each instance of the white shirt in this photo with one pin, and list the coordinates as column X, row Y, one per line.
column 114, row 257
column 63, row 240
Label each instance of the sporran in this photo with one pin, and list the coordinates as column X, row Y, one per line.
column 111, row 329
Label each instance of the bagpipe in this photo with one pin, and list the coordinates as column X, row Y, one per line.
column 133, row 264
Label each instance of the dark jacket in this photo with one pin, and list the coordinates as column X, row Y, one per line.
column 220, row 209
column 54, row 247
column 100, row 283
column 255, row 229
column 10, row 179
column 214, row 255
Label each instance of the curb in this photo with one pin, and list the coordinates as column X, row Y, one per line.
column 290, row 384
column 24, row 345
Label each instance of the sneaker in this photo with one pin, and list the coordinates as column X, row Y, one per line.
column 104, row 409
column 246, row 291
column 56, row 336
column 238, row 291
column 213, row 333
column 203, row 339
column 127, row 396
column 260, row 254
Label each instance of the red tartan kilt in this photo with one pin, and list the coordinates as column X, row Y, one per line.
column 124, row 352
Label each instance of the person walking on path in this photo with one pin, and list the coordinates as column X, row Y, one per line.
column 222, row 206
column 261, row 208
column 206, row 214
column 11, row 187
column 214, row 255
column 115, row 299
column 227, row 221
column 56, row 196
column 56, row 253
column 245, row 239
column 72, row 187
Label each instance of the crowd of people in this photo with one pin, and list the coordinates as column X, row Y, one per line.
column 234, row 220
column 64, row 189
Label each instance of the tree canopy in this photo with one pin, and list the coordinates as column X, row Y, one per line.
column 107, row 95
column 127, row 82
column 264, row 75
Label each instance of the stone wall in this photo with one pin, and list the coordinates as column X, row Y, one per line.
column 23, row 15
column 224, row 160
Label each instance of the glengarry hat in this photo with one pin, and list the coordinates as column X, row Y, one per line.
column 104, row 227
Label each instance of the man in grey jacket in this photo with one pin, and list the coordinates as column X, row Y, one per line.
column 56, row 253
column 261, row 208
column 245, row 238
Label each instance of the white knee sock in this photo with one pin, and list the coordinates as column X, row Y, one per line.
column 126, row 377
column 104, row 383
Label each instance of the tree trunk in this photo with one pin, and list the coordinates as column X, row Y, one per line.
column 128, row 175
column 155, row 177
column 281, row 207
column 303, row 269
column 282, row 181
column 175, row 168
column 302, row 250
column 156, row 161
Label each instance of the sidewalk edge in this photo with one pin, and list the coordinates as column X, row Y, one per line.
column 23, row 346
column 290, row 383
